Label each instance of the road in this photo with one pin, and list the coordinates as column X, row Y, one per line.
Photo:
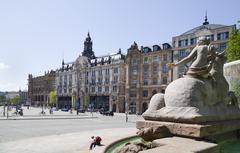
column 60, row 135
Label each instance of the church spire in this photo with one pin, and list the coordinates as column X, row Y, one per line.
column 87, row 51
column 206, row 19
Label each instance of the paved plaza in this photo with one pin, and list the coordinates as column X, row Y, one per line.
column 62, row 132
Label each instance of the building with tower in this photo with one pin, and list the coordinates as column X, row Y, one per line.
column 88, row 49
column 90, row 81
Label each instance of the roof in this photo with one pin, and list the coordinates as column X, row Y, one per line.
column 208, row 26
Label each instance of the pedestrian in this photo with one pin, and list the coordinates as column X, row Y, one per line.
column 95, row 141
column 51, row 110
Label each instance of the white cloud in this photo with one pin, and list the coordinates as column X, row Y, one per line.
column 3, row 66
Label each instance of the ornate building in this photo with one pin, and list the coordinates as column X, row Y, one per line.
column 217, row 34
column 66, row 85
column 39, row 87
column 97, row 82
column 146, row 74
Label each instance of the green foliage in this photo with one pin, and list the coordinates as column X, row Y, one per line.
column 233, row 46
column 52, row 98
column 15, row 100
column 2, row 99
column 236, row 87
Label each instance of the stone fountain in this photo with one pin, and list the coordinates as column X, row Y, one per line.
column 197, row 109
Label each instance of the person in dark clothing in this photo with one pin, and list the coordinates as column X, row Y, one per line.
column 96, row 141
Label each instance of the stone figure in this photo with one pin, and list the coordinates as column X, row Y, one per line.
column 201, row 65
column 200, row 96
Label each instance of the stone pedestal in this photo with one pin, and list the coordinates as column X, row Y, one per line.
column 205, row 130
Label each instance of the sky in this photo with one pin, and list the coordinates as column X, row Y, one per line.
column 35, row 35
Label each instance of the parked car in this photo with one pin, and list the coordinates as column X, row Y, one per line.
column 107, row 113
column 65, row 109
column 80, row 110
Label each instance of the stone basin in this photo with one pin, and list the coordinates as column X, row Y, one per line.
column 112, row 148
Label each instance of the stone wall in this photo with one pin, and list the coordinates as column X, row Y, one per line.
column 232, row 73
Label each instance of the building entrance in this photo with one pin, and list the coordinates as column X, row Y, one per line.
column 99, row 102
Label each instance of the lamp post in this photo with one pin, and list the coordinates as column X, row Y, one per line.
column 7, row 98
column 126, row 110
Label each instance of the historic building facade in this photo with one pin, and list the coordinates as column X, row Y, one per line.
column 97, row 82
column 66, row 85
column 217, row 34
column 146, row 74
column 39, row 87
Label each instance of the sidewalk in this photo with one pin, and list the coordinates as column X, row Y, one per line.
column 66, row 143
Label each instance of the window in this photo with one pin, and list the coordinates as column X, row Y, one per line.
column 100, row 72
column 115, row 79
column 222, row 46
column 155, row 69
column 145, row 70
column 134, row 71
column 99, row 80
column 165, row 57
column 99, row 89
column 145, row 82
column 107, row 80
column 155, row 58
column 222, row 36
column 145, row 60
column 193, row 41
column 145, row 93
column 155, row 81
column 133, row 94
column 182, row 43
column 107, row 71
column 185, row 42
column 93, row 81
column 70, row 90
column 164, row 80
column 93, row 73
column 164, row 69
column 114, row 88
column 156, row 48
column 167, row 46
column 145, row 49
column 106, row 89
column 86, row 90
column 115, row 70
column 182, row 53
column 134, row 62
column 210, row 37
column 93, row 89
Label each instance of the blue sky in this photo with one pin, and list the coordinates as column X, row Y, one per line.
column 36, row 34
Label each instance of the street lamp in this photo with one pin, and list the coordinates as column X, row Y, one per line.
column 7, row 98
column 126, row 110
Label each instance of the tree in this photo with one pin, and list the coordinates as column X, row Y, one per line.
column 233, row 46
column 236, row 88
column 52, row 98
column 15, row 100
column 2, row 99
